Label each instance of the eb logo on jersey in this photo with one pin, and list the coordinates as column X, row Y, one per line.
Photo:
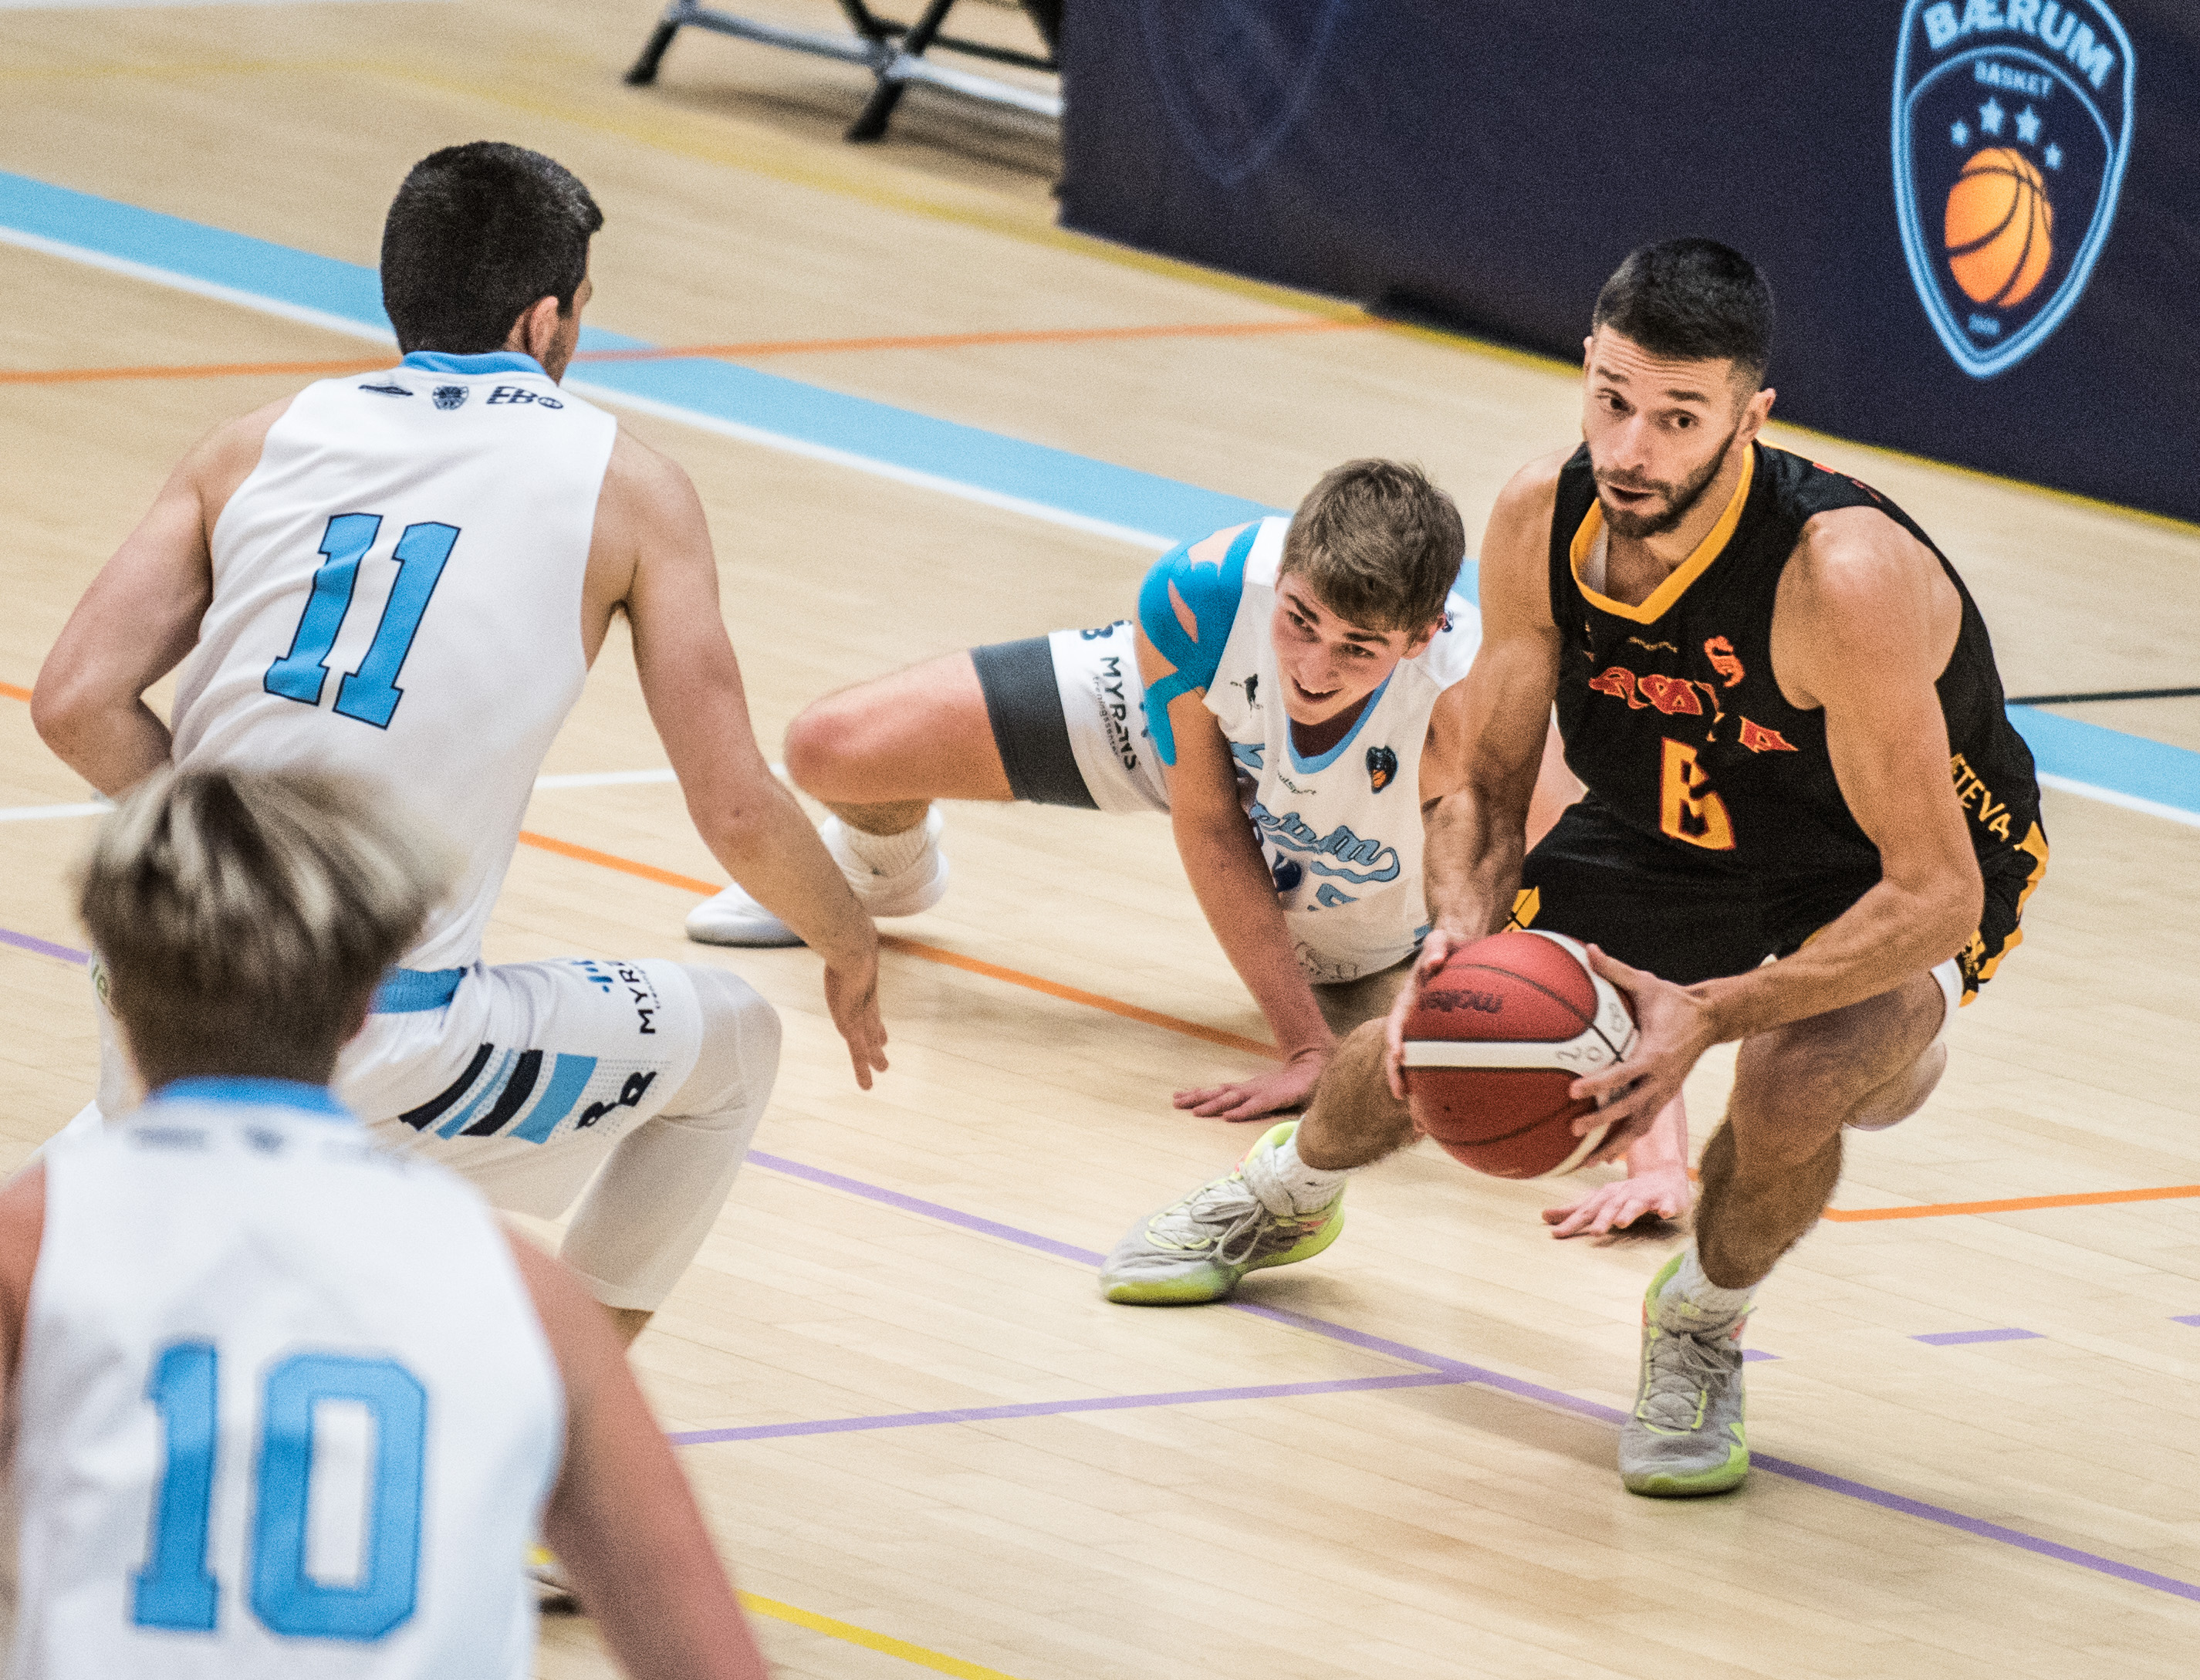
column 2012, row 127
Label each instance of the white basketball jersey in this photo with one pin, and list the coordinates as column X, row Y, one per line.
column 284, row 1408
column 397, row 596
column 1342, row 831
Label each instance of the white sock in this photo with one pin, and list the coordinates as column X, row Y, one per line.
column 880, row 856
column 1278, row 1175
column 1691, row 1300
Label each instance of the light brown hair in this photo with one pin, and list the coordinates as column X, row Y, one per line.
column 1379, row 544
column 242, row 919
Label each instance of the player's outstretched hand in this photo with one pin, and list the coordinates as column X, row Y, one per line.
column 1434, row 949
column 1673, row 1029
column 1661, row 1193
column 1286, row 1091
column 851, row 992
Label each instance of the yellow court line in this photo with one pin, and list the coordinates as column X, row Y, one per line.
column 939, row 1661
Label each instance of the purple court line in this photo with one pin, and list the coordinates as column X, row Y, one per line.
column 44, row 947
column 1958, row 1338
column 1047, row 1408
column 1440, row 1369
column 2189, row 1318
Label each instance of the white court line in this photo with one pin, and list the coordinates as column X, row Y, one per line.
column 36, row 813
column 2109, row 796
column 604, row 394
column 175, row 282
column 542, row 783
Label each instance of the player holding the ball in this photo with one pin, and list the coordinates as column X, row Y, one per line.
column 1765, row 674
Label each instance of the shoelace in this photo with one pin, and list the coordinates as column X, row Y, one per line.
column 1222, row 1215
column 1681, row 1367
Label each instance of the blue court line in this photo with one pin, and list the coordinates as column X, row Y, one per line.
column 986, row 466
column 1963, row 1339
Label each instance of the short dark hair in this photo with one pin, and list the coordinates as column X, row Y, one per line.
column 476, row 236
column 1379, row 544
column 1691, row 300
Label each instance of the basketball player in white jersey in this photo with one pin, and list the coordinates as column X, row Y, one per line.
column 1301, row 673
column 404, row 577
column 256, row 1428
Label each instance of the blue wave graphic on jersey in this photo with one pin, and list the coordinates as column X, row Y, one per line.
column 1340, row 845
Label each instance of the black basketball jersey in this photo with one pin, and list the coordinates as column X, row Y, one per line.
column 1671, row 714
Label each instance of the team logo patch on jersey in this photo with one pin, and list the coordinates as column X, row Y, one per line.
column 1724, row 661
column 1235, row 77
column 450, row 396
column 1382, row 768
column 515, row 394
column 2012, row 128
column 387, row 390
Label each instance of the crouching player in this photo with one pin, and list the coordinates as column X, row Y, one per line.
column 282, row 1402
column 1290, row 696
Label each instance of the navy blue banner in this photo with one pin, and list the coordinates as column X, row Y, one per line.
column 1981, row 218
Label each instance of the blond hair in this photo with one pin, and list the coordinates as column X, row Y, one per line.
column 243, row 918
column 1379, row 544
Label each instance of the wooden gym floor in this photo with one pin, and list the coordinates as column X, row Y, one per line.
column 1396, row 1460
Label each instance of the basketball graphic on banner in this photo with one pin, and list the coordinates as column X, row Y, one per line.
column 2000, row 228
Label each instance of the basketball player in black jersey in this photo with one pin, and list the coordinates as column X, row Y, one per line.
column 1784, row 706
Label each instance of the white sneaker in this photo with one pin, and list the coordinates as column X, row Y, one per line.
column 733, row 918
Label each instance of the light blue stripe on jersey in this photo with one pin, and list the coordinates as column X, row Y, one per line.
column 1211, row 591
column 415, row 991
column 1308, row 766
column 489, row 361
column 490, row 1088
column 253, row 1093
column 569, row 1078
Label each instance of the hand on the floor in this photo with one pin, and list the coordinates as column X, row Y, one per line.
column 1672, row 1032
column 1663, row 1192
column 1285, row 1090
column 851, row 993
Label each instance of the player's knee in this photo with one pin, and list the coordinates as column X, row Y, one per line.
column 738, row 1059
column 831, row 746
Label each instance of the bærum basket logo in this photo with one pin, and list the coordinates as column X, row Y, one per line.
column 1236, row 74
column 2012, row 126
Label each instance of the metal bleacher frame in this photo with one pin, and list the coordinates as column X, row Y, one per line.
column 894, row 52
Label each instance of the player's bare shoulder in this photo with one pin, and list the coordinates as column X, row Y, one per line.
column 1859, row 586
column 647, row 512
column 225, row 457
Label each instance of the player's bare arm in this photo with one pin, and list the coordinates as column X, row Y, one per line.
column 1499, row 719
column 621, row 1520
column 1864, row 623
column 141, row 616
column 1229, row 875
column 652, row 559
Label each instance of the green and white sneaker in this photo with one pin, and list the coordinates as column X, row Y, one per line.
column 1684, row 1437
column 1197, row 1249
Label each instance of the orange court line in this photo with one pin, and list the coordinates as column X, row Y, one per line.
column 933, row 953
column 784, row 346
column 2017, row 1204
column 1215, row 1035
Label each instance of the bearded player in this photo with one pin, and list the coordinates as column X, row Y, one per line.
column 1765, row 673
column 1290, row 695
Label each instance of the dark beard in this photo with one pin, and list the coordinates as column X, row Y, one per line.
column 1679, row 504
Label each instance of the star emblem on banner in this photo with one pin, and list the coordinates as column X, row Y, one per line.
column 2054, row 157
column 2028, row 126
column 1961, row 134
column 1990, row 115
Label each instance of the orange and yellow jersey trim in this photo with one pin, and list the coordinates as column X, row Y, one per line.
column 1661, row 599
